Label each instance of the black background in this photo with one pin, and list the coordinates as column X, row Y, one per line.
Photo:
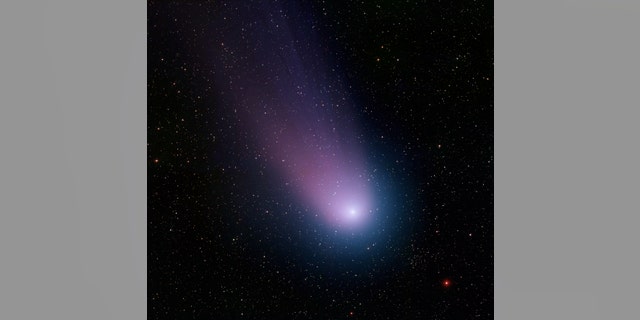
column 423, row 74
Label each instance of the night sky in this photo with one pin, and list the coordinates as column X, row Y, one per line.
column 320, row 160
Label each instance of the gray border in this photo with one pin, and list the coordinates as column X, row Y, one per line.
column 566, row 169
column 73, row 165
column 73, row 159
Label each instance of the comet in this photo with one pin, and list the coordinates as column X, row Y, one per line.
column 292, row 103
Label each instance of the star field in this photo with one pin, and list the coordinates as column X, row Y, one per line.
column 320, row 160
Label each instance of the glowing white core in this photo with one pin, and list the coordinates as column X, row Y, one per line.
column 352, row 215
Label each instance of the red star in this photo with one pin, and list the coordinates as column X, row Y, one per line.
column 446, row 283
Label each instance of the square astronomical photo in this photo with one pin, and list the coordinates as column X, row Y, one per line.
column 320, row 159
